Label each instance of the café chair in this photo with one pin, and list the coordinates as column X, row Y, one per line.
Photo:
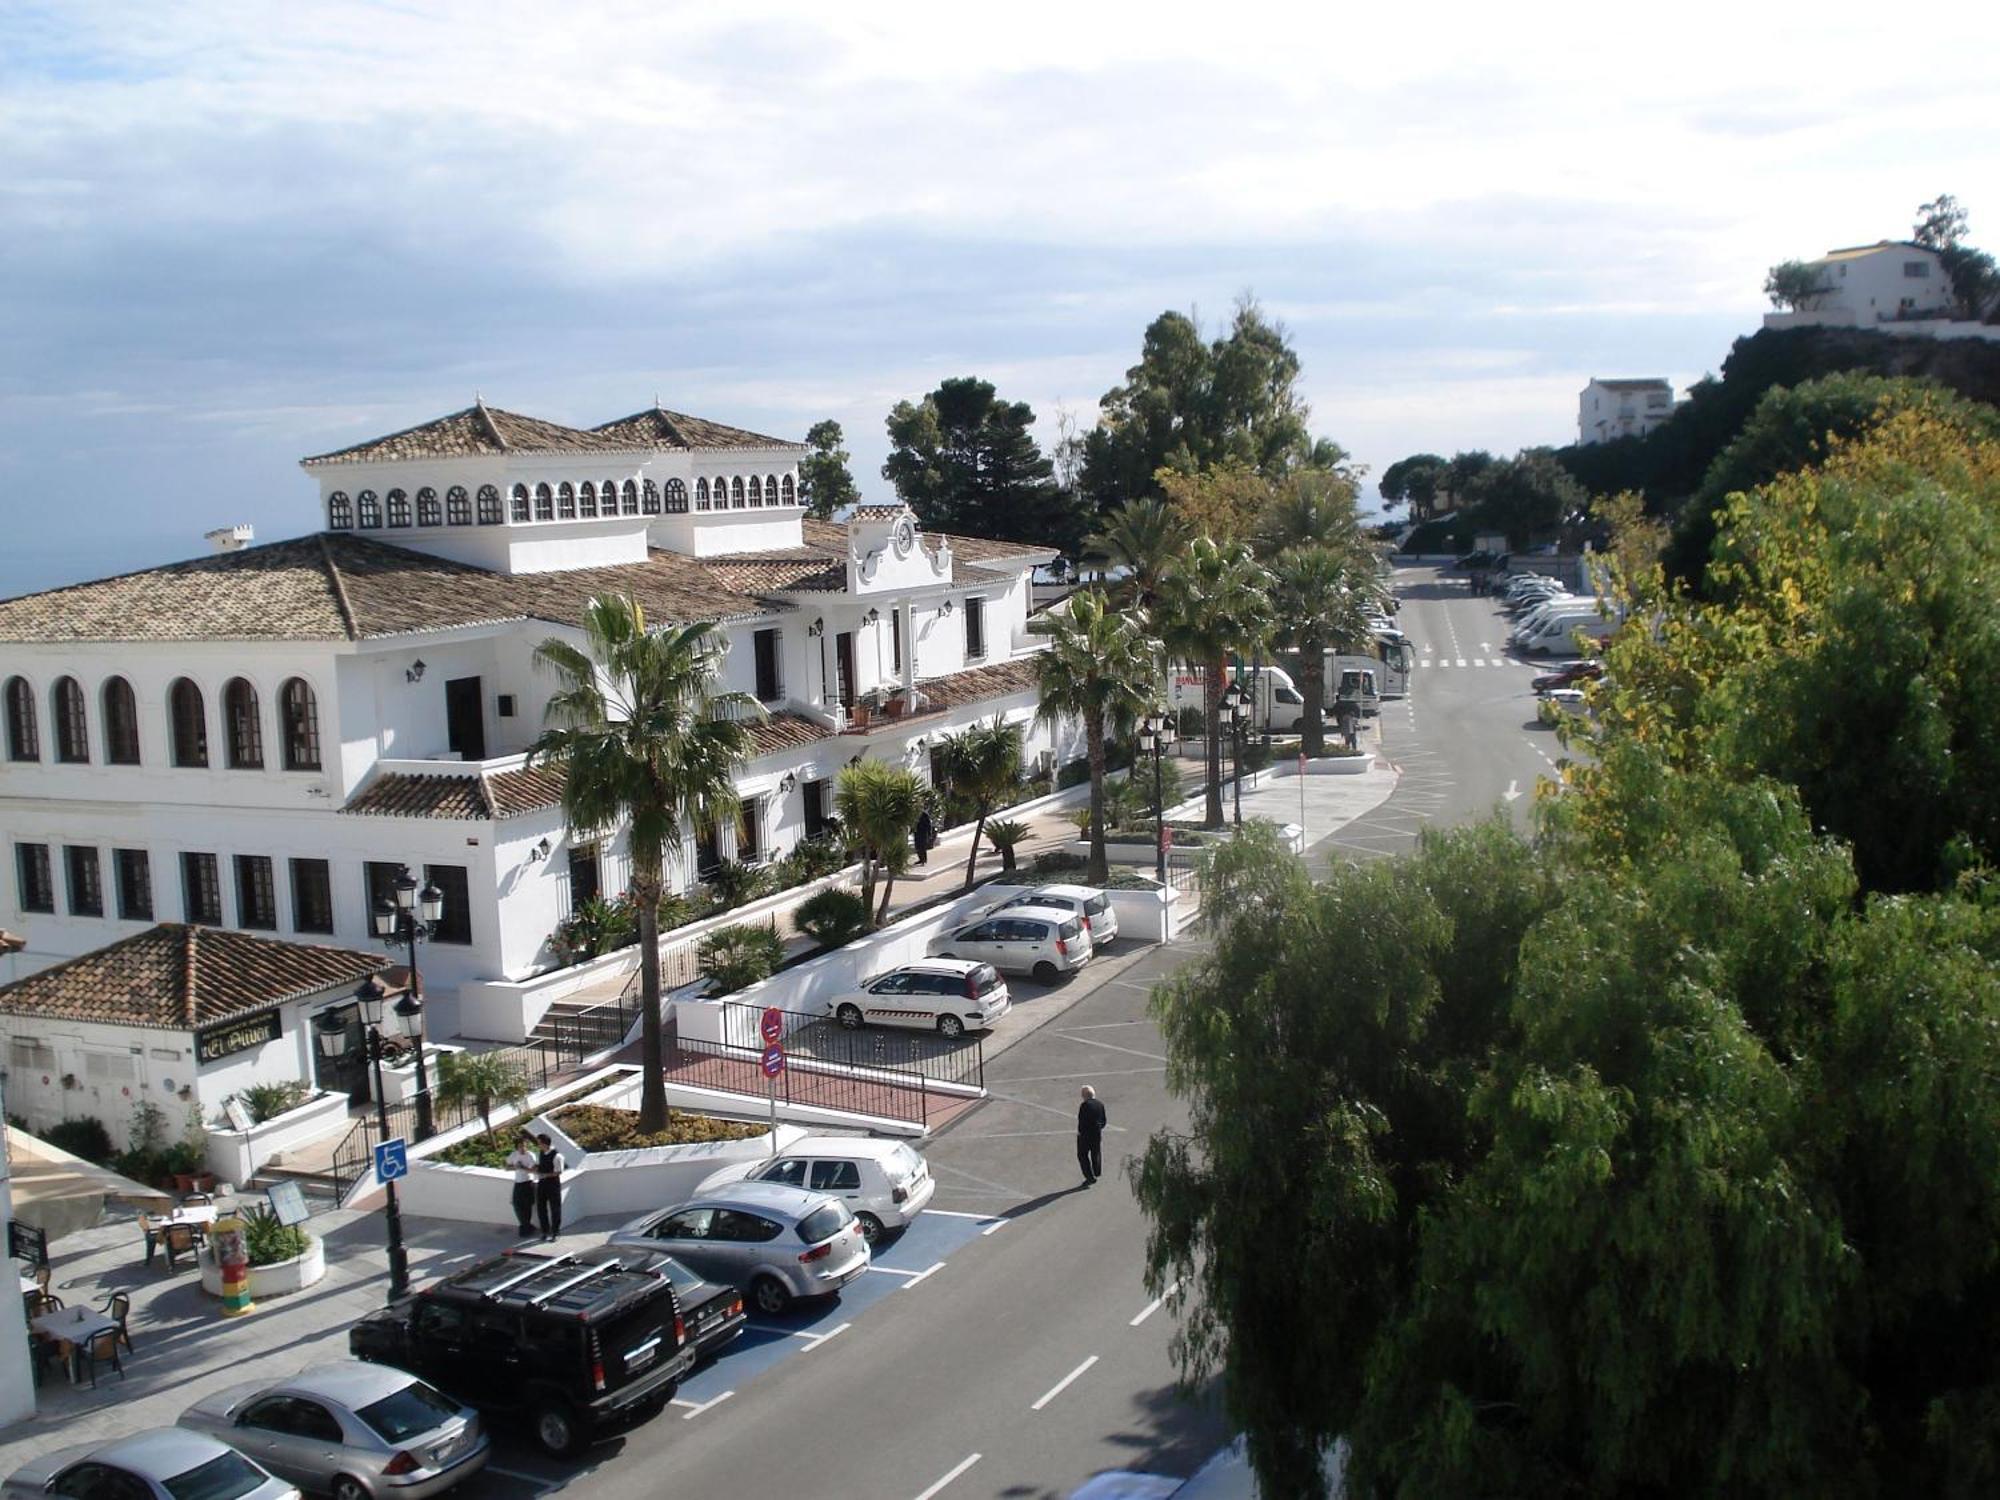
column 198, row 1200
column 100, row 1347
column 44, row 1352
column 177, row 1240
column 117, row 1307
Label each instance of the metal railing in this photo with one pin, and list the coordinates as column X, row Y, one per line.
column 912, row 1054
column 728, row 1068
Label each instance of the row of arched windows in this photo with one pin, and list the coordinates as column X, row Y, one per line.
column 562, row 502
column 187, row 724
column 367, row 510
column 734, row 494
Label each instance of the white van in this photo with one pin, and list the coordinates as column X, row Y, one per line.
column 1556, row 634
column 1275, row 699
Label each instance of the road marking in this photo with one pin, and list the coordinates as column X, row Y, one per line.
column 1461, row 661
column 1091, row 1041
column 1098, row 1073
column 915, row 1276
column 1061, row 1385
column 813, row 1340
column 1155, row 1305
column 964, row 1464
column 1513, row 791
column 696, row 1408
column 1480, row 661
column 994, row 1228
column 540, row 1481
column 951, row 1213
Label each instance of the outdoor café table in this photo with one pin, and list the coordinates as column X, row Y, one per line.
column 71, row 1327
column 29, row 1284
column 202, row 1214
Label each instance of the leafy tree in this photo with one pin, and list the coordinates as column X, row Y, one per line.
column 485, row 1080
column 1101, row 670
column 1311, row 508
column 643, row 737
column 878, row 804
column 1214, row 601
column 1416, row 479
column 1795, row 285
column 966, row 461
column 1975, row 279
column 1462, row 476
column 981, row 764
column 1526, row 497
column 1141, row 536
column 826, row 485
column 1223, row 503
column 1321, row 600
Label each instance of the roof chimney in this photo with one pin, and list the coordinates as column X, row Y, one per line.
column 231, row 538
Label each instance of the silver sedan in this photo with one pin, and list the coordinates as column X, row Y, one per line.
column 352, row 1430
column 165, row 1462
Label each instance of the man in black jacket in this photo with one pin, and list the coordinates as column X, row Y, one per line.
column 1090, row 1136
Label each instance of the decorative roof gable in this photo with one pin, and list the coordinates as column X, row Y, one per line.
column 656, row 427
column 479, row 429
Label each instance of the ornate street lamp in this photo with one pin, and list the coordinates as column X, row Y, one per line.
column 332, row 1039
column 1233, row 714
column 1152, row 735
column 408, row 920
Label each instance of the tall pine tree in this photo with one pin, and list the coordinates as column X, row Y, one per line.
column 966, row 461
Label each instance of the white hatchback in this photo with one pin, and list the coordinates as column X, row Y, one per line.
column 1099, row 918
column 945, row 995
column 885, row 1183
column 1044, row 941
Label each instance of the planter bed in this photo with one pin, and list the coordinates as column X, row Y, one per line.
column 275, row 1280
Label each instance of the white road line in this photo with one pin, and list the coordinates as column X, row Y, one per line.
column 1155, row 1305
column 1091, row 1041
column 915, row 1276
column 1461, row 661
column 1480, row 661
column 921, row 1275
column 951, row 1213
column 541, row 1481
column 1061, row 1385
column 963, row 1465
column 994, row 1228
column 812, row 1340
column 696, row 1408
column 1097, row 1073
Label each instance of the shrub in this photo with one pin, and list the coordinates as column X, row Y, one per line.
column 484, row 1080
column 738, row 884
column 269, row 1241
column 1191, row 723
column 85, row 1137
column 597, row 1127
column 478, row 1151
column 1073, row 773
column 1256, row 756
column 1006, row 835
column 833, row 917
column 266, row 1101
column 815, row 857
column 596, row 927
column 1058, row 861
column 735, row 957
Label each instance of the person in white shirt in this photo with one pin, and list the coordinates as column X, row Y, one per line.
column 522, row 1161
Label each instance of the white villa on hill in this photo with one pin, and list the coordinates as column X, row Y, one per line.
column 1609, row 409
column 1895, row 286
column 262, row 739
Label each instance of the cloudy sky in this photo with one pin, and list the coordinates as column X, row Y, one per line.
column 236, row 234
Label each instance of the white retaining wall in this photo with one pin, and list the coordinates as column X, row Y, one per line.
column 234, row 1156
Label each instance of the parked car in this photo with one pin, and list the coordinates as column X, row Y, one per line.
column 886, row 1183
column 1086, row 901
column 569, row 1345
column 948, row 996
column 1568, row 675
column 1043, row 941
column 351, row 1430
column 166, row 1463
column 713, row 1313
column 777, row 1243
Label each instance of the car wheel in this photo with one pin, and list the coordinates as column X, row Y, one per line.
column 849, row 1016
column 1045, row 973
column 950, row 1028
column 770, row 1296
column 557, row 1427
column 871, row 1228
column 347, row 1487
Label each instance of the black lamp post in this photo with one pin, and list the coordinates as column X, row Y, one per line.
column 408, row 920
column 1152, row 735
column 1233, row 715
column 333, row 1044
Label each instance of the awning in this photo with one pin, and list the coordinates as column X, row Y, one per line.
column 60, row 1194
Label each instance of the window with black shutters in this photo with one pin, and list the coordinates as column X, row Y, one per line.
column 585, row 881
column 454, row 923
column 24, row 741
column 201, row 889
column 72, row 725
column 770, row 682
column 750, row 829
column 187, row 724
column 975, row 629
column 312, row 896
column 380, row 881
column 134, row 870
column 86, row 881
column 896, row 640
column 121, row 723
column 31, row 866
column 256, row 893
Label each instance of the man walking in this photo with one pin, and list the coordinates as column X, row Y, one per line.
column 1090, row 1136
column 523, row 1164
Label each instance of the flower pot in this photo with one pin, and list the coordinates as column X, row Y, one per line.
column 293, row 1275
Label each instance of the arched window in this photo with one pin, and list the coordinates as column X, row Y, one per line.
column 791, row 491
column 489, row 505
column 736, row 493
column 631, row 498
column 245, row 725
column 701, row 494
column 520, row 502
column 24, row 740
column 770, row 489
column 458, row 506
column 676, row 498
column 370, row 511
column 339, row 511
column 586, row 500
column 399, row 508
column 566, row 502
column 650, row 498
column 187, row 719
column 121, row 723
column 72, row 729
column 428, row 513
column 756, row 492
column 298, row 707
column 545, row 503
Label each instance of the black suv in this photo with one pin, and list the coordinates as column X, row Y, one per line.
column 571, row 1344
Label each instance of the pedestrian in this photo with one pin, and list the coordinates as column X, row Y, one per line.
column 924, row 836
column 522, row 1161
column 1090, row 1136
column 548, row 1188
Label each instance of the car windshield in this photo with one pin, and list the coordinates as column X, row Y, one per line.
column 415, row 1408
column 1097, row 905
column 683, row 1279
column 903, row 1161
column 824, row 1222
column 1069, row 929
column 224, row 1477
column 984, row 978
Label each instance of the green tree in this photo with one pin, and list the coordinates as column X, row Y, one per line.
column 1313, row 508
column 1322, row 598
column 1214, row 602
column 1526, row 497
column 826, row 485
column 643, row 736
column 1975, row 279
column 485, row 1080
column 1415, row 479
column 967, row 462
column 1142, row 536
column 982, row 764
column 1222, row 503
column 878, row 804
column 1464, row 474
column 1796, row 286
column 1101, row 670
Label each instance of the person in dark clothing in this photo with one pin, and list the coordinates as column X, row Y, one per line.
column 548, row 1188
column 1090, row 1136
column 924, row 836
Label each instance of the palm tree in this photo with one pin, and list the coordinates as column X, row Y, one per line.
column 1213, row 602
column 1311, row 508
column 878, row 804
column 1142, row 536
column 482, row 1079
column 1320, row 601
column 643, row 737
column 1102, row 668
column 981, row 764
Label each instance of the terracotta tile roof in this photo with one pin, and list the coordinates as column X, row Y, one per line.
column 656, row 427
column 783, row 731
column 877, row 512
column 408, row 794
column 529, row 789
column 177, row 977
column 976, row 684
column 794, row 570
column 1652, row 383
column 476, row 430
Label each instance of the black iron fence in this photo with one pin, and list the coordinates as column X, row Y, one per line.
column 914, row 1054
column 728, row 1068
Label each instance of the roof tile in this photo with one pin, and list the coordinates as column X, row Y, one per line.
column 408, row 794
column 479, row 429
column 656, row 427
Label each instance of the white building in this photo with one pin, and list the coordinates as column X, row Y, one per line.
column 261, row 739
column 1610, row 409
column 1894, row 286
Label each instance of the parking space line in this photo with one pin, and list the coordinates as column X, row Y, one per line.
column 915, row 1276
column 1091, row 1041
column 948, row 1213
column 540, row 1481
column 1155, row 1305
column 696, row 1408
column 1061, row 1385
column 961, row 1467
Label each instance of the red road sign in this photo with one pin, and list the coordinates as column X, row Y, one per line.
column 774, row 1060
column 771, row 1025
